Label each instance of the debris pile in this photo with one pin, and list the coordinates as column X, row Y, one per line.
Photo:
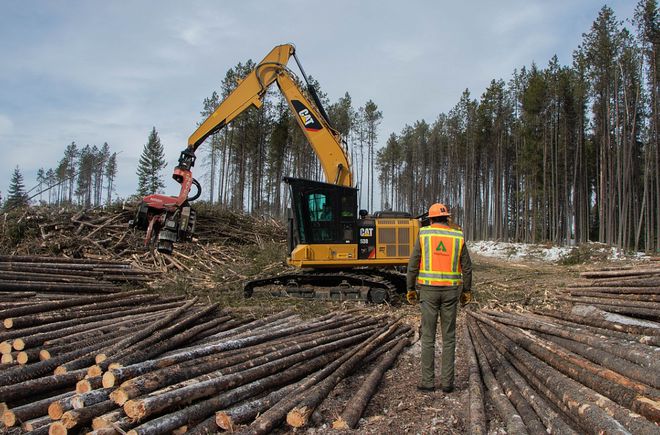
column 592, row 369
column 104, row 235
column 138, row 362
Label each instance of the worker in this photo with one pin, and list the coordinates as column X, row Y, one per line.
column 441, row 268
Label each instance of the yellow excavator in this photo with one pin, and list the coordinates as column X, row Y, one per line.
column 342, row 253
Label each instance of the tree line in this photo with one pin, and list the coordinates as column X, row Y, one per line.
column 564, row 153
column 83, row 176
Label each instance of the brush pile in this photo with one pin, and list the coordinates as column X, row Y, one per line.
column 103, row 234
column 594, row 368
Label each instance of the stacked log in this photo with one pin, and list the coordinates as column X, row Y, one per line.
column 632, row 292
column 157, row 370
column 37, row 276
column 567, row 372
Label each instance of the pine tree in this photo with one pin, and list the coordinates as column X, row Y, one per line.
column 16, row 192
column 110, row 174
column 152, row 162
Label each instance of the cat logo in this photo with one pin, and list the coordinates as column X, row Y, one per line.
column 307, row 118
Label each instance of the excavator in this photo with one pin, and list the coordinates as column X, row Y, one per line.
column 341, row 253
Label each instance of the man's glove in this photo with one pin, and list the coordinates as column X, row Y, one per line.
column 412, row 297
column 466, row 298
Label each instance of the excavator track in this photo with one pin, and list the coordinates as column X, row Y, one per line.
column 374, row 286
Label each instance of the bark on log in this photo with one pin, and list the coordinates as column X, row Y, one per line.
column 635, row 352
column 108, row 310
column 90, row 398
column 601, row 323
column 200, row 411
column 57, row 408
column 82, row 416
column 476, row 411
column 607, row 360
column 358, row 402
column 138, row 409
column 155, row 326
column 620, row 389
column 168, row 338
column 181, row 372
column 271, row 418
column 35, row 424
column 21, row 390
column 245, row 412
column 593, row 411
column 508, row 413
column 39, row 408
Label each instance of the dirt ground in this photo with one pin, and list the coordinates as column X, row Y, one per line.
column 398, row 408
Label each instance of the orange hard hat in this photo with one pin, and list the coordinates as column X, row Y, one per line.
column 438, row 210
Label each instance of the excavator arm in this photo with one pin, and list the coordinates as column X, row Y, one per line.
column 169, row 218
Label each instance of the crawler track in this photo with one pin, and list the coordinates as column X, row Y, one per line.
column 372, row 286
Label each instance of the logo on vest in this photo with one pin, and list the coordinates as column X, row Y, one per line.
column 440, row 247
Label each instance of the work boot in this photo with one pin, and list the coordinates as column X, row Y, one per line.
column 424, row 389
column 448, row 389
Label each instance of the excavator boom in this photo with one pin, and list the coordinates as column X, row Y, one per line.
column 326, row 231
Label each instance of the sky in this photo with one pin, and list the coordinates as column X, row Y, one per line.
column 93, row 71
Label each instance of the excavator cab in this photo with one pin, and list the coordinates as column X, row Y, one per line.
column 322, row 213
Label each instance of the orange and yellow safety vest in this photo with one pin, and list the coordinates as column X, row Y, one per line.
column 441, row 252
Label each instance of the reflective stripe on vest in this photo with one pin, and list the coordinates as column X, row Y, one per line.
column 441, row 252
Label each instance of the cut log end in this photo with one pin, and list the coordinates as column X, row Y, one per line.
column 5, row 347
column 135, row 409
column 114, row 366
column 94, row 371
column 9, row 323
column 6, row 358
column 340, row 424
column 298, row 417
column 224, row 421
column 100, row 358
column 119, row 396
column 69, row 419
column 55, row 410
column 102, row 422
column 180, row 431
column 9, row 418
column 60, row 370
column 108, row 380
column 22, row 357
column 57, row 428
column 44, row 355
column 18, row 344
column 83, row 386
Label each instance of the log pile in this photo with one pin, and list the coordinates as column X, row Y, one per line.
column 139, row 363
column 594, row 368
column 33, row 276
column 633, row 292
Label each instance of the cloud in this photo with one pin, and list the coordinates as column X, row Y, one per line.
column 6, row 125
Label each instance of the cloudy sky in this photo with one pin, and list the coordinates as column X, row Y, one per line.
column 97, row 71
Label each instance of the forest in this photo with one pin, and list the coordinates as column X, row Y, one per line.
column 557, row 153
column 561, row 153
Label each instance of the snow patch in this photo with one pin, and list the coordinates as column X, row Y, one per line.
column 549, row 253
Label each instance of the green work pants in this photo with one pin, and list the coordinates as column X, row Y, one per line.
column 442, row 301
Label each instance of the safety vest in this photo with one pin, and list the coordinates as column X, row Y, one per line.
column 441, row 252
